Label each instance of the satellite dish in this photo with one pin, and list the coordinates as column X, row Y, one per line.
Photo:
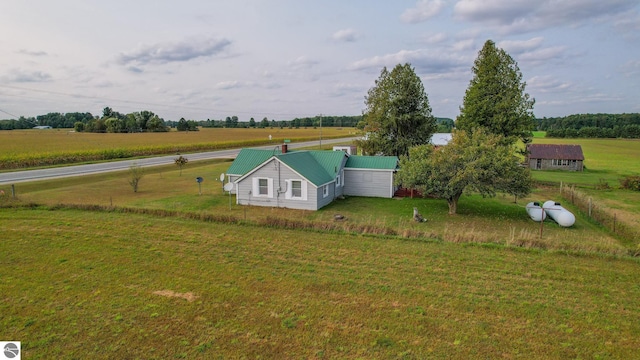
column 228, row 186
column 199, row 179
column 222, row 177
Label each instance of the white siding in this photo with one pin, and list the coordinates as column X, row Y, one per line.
column 366, row 182
column 280, row 176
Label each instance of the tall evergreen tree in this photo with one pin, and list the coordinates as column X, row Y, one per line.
column 496, row 97
column 397, row 114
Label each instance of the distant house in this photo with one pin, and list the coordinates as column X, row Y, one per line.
column 308, row 180
column 441, row 139
column 42, row 127
column 555, row 157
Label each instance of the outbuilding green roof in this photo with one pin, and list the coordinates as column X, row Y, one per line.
column 372, row 162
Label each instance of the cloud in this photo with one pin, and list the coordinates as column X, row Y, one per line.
column 547, row 84
column 302, row 62
column 346, row 35
column 23, row 76
column 425, row 61
column 226, row 85
column 433, row 38
column 424, row 10
column 525, row 15
column 163, row 53
column 32, row 53
column 520, row 46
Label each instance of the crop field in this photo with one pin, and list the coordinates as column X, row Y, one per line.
column 103, row 285
column 90, row 269
column 30, row 148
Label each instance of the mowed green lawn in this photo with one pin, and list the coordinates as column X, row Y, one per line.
column 104, row 285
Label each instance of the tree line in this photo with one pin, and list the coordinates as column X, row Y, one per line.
column 113, row 121
column 592, row 126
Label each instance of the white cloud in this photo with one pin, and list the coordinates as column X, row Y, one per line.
column 424, row 10
column 32, row 52
column 513, row 16
column 346, row 35
column 226, row 85
column 302, row 62
column 425, row 61
column 546, row 84
column 520, row 46
column 23, row 76
column 163, row 53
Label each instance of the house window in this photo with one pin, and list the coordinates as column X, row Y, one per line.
column 325, row 191
column 263, row 187
column 338, row 180
column 296, row 189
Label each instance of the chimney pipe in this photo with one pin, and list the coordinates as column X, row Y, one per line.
column 284, row 148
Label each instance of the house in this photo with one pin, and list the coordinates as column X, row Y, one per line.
column 307, row 179
column 555, row 157
column 42, row 127
column 441, row 139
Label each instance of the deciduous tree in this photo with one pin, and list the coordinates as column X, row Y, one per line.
column 477, row 161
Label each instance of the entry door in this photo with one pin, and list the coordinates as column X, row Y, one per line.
column 539, row 164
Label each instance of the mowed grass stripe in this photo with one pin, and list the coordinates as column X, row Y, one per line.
column 81, row 285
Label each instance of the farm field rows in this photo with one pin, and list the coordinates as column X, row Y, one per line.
column 84, row 284
column 32, row 148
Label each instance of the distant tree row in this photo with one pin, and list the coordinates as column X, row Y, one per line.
column 625, row 132
column 579, row 121
column 115, row 122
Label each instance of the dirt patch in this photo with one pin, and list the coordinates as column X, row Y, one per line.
column 190, row 297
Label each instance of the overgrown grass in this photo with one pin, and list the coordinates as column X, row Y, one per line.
column 102, row 285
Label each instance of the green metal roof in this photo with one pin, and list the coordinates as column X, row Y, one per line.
column 319, row 167
column 248, row 159
column 372, row 162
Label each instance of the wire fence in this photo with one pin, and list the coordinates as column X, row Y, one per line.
column 605, row 216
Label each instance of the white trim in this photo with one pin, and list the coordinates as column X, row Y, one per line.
column 303, row 190
column 256, row 187
column 365, row 169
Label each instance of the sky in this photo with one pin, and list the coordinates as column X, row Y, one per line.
column 282, row 59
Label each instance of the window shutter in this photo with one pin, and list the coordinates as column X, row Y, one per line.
column 288, row 193
column 255, row 188
column 270, row 191
column 304, row 189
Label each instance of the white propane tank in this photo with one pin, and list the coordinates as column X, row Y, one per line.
column 559, row 214
column 535, row 211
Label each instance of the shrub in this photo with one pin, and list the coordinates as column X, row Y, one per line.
column 631, row 182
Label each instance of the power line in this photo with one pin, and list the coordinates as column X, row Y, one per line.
column 8, row 113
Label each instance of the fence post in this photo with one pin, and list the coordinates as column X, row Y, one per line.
column 590, row 205
column 614, row 223
column 13, row 191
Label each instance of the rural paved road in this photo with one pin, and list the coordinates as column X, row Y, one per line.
column 77, row 170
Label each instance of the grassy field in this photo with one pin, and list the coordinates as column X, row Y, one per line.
column 150, row 275
column 607, row 161
column 103, row 285
column 30, row 148
column 498, row 220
